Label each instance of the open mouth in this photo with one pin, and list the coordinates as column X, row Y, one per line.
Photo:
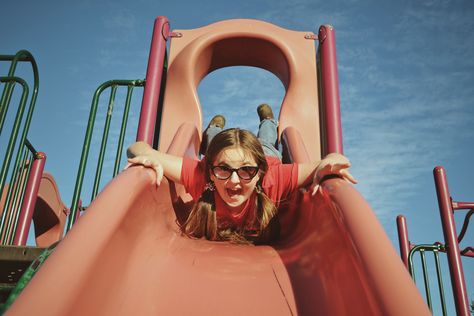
column 234, row 192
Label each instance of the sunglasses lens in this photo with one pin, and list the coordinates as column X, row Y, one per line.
column 222, row 172
column 247, row 173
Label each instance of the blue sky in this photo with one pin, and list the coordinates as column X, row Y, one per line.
column 406, row 72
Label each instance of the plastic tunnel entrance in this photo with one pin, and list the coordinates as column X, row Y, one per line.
column 287, row 54
column 125, row 255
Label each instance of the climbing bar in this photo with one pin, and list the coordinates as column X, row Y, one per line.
column 25, row 216
column 440, row 280
column 123, row 129
column 14, row 196
column 17, row 191
column 23, row 163
column 20, row 56
column 154, row 79
column 113, row 84
column 103, row 146
column 422, row 249
column 403, row 240
column 330, row 90
column 426, row 279
column 451, row 240
column 23, row 170
column 15, row 129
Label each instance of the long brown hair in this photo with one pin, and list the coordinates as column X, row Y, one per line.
column 202, row 221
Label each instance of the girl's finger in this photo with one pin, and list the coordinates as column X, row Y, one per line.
column 348, row 176
column 159, row 173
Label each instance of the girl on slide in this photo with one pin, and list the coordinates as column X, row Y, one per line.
column 240, row 181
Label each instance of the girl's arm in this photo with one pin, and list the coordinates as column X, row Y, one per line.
column 164, row 164
column 336, row 164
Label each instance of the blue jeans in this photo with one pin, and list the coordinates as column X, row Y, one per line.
column 267, row 135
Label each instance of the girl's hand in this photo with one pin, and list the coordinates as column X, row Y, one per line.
column 334, row 163
column 141, row 153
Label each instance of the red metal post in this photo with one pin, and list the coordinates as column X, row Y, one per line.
column 463, row 205
column 330, row 90
column 403, row 240
column 151, row 93
column 29, row 201
column 451, row 241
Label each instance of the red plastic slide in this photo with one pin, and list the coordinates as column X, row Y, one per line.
column 125, row 256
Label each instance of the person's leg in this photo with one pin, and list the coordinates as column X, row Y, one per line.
column 267, row 134
column 212, row 131
column 267, row 131
column 216, row 125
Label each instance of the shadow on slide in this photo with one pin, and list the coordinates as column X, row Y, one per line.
column 126, row 256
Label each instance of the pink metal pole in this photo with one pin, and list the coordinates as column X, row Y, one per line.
column 151, row 93
column 451, row 241
column 403, row 239
column 29, row 201
column 462, row 205
column 330, row 90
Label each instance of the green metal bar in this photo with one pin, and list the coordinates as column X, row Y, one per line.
column 435, row 248
column 86, row 146
column 426, row 279
column 123, row 129
column 19, row 162
column 440, row 282
column 410, row 263
column 30, row 147
column 5, row 102
column 15, row 205
column 103, row 146
column 12, row 193
column 16, row 127
column 14, row 225
column 22, row 55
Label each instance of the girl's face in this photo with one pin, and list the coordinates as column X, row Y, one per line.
column 234, row 190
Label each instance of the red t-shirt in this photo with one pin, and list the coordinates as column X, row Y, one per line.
column 279, row 182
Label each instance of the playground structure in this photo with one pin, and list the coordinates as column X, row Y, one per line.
column 452, row 240
column 126, row 255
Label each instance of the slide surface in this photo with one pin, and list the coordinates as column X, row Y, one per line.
column 125, row 256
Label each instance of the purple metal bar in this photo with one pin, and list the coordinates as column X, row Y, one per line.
column 151, row 93
column 29, row 201
column 451, row 241
column 330, row 90
column 403, row 240
column 462, row 205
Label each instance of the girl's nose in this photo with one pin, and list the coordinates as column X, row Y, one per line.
column 234, row 178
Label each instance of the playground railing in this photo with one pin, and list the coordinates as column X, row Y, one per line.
column 13, row 204
column 150, row 113
column 113, row 85
column 451, row 247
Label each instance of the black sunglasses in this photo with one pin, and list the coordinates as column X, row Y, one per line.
column 244, row 173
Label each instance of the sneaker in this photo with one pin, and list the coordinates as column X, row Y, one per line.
column 264, row 112
column 219, row 121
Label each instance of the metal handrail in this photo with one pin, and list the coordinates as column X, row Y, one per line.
column 16, row 127
column 113, row 84
column 23, row 56
column 15, row 194
column 435, row 249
